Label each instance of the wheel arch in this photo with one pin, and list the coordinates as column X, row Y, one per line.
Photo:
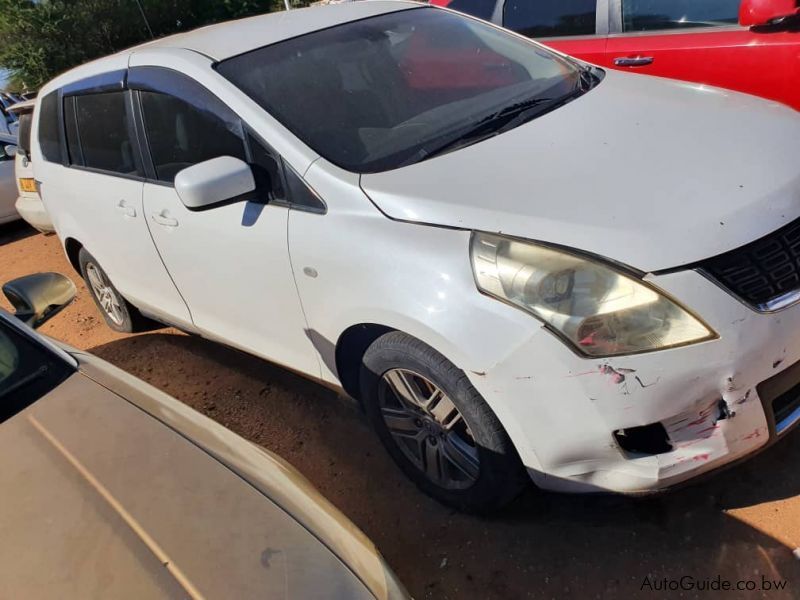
column 72, row 248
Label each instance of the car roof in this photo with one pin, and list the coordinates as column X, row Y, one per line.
column 232, row 38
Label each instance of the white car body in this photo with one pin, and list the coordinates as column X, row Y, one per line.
column 650, row 173
column 29, row 204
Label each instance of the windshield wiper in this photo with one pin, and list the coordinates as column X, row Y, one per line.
column 508, row 118
column 485, row 128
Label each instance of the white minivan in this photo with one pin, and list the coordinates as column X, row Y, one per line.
column 517, row 262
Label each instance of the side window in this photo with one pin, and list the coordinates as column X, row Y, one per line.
column 27, row 371
column 101, row 126
column 550, row 18
column 482, row 9
column 180, row 134
column 48, row 128
column 646, row 15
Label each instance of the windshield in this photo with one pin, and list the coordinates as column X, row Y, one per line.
column 371, row 95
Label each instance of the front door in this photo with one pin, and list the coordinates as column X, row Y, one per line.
column 703, row 43
column 231, row 263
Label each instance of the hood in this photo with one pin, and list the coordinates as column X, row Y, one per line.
column 649, row 172
column 100, row 499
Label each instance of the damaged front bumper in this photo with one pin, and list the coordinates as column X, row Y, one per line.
column 584, row 425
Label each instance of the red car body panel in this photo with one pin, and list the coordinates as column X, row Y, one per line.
column 760, row 61
column 762, row 64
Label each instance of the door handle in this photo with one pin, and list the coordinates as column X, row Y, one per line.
column 163, row 218
column 633, row 61
column 127, row 209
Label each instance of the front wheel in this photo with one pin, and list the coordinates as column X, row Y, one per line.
column 437, row 427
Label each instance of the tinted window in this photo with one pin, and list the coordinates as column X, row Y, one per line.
column 27, row 371
column 482, row 9
column 102, row 128
column 386, row 91
column 644, row 15
column 24, row 133
column 181, row 135
column 48, row 128
column 299, row 192
column 549, row 18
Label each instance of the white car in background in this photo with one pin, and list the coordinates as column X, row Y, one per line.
column 28, row 202
column 515, row 261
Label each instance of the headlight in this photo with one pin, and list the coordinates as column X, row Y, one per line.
column 600, row 311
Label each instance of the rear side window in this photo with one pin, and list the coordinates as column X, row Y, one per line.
column 646, row 15
column 48, row 128
column 24, row 132
column 181, row 135
column 550, row 18
column 482, row 9
column 101, row 123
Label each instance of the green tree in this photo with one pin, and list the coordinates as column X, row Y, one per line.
column 43, row 38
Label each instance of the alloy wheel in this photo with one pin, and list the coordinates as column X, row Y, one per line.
column 105, row 294
column 428, row 428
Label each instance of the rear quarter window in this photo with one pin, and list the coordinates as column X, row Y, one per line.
column 49, row 139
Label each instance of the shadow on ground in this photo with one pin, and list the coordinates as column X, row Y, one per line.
column 15, row 231
column 545, row 545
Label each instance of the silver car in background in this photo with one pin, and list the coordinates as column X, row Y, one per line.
column 8, row 182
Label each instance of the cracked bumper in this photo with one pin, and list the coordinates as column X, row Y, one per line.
column 561, row 409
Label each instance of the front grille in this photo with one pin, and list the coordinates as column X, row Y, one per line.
column 762, row 272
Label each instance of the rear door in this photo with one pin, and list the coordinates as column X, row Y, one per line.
column 96, row 191
column 702, row 42
column 231, row 262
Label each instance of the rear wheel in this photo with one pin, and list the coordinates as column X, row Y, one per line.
column 437, row 427
column 119, row 314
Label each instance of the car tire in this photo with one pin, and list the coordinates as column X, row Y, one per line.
column 476, row 468
column 119, row 314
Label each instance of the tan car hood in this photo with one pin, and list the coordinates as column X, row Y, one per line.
column 100, row 499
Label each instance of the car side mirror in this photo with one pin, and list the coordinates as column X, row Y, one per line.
column 214, row 182
column 10, row 150
column 759, row 13
column 39, row 297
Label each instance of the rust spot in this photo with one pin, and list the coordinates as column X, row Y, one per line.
column 480, row 373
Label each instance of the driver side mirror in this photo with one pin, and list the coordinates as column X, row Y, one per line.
column 39, row 297
column 10, row 150
column 758, row 13
column 221, row 180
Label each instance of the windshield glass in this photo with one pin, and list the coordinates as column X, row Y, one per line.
column 369, row 95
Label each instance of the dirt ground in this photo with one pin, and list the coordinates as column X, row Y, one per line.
column 743, row 524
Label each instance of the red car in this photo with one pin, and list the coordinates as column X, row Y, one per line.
column 752, row 46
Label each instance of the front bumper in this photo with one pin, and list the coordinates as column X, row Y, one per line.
column 561, row 410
